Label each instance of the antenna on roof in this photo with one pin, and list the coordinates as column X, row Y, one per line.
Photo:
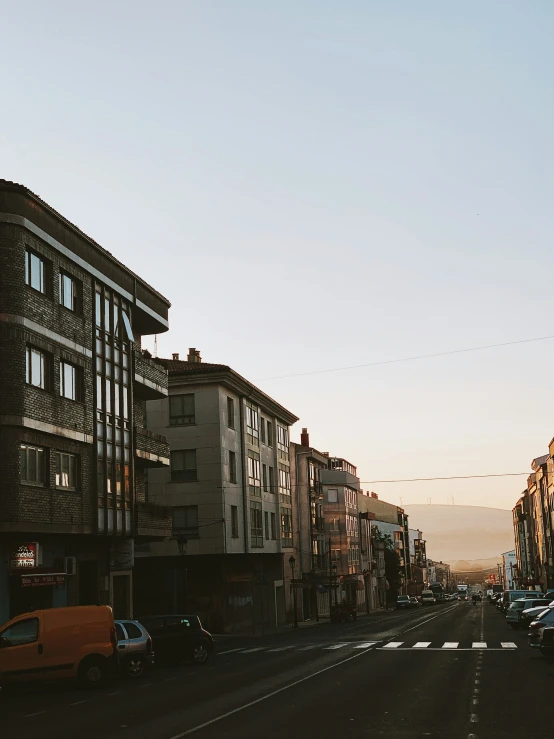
column 156, row 345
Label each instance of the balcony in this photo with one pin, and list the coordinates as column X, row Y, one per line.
column 150, row 378
column 153, row 521
column 151, row 449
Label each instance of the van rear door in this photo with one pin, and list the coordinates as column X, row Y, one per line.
column 21, row 649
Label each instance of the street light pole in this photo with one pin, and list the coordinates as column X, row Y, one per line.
column 292, row 563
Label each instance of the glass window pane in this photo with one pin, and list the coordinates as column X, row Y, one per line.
column 37, row 273
column 32, row 464
column 28, row 365
column 108, row 396
column 108, row 369
column 125, row 359
column 127, row 324
column 98, row 309
column 125, row 377
column 99, row 391
column 107, row 314
column 36, row 365
column 116, row 399
column 126, row 404
column 100, row 519
column 110, row 519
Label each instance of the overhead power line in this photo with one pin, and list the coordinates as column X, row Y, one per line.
column 408, row 359
column 452, row 477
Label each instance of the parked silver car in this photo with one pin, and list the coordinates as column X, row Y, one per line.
column 134, row 648
column 515, row 614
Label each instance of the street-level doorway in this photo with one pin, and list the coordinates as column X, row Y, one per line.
column 121, row 594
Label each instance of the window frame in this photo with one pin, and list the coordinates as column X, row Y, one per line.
column 14, row 626
column 45, row 367
column 234, row 522
column 29, row 255
column 182, row 418
column 40, row 464
column 286, row 516
column 186, row 474
column 75, row 291
column 77, row 381
column 190, row 530
column 253, row 474
column 273, row 526
column 256, row 524
column 230, row 412
column 232, row 467
column 58, row 455
column 252, row 422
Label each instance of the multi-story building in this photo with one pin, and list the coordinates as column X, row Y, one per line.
column 311, row 536
column 509, row 564
column 418, row 561
column 524, row 542
column 340, row 488
column 230, row 493
column 72, row 383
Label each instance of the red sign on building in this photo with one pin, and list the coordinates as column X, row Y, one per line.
column 26, row 555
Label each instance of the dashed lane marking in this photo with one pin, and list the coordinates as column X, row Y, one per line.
column 337, row 646
column 365, row 645
column 281, row 649
column 254, row 649
column 228, row 651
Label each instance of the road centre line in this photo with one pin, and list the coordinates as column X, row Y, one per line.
column 268, row 695
column 449, row 610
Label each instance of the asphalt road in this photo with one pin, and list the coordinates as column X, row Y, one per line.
column 450, row 671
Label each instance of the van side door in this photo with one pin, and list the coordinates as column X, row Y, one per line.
column 21, row 651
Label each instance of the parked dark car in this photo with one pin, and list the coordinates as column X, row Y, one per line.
column 546, row 643
column 134, row 648
column 403, row 602
column 179, row 637
column 414, row 603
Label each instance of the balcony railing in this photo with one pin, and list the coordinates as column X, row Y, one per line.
column 150, row 378
column 151, row 449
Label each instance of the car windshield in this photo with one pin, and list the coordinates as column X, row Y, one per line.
column 402, row 597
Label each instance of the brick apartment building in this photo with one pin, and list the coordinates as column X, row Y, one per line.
column 73, row 381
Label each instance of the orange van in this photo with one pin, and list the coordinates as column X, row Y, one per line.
column 73, row 642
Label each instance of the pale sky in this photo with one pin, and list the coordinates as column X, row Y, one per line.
column 317, row 185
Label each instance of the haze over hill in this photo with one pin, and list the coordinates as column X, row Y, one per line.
column 463, row 532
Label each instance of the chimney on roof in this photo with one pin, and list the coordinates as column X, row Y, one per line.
column 374, row 495
column 194, row 355
column 175, row 356
column 305, row 438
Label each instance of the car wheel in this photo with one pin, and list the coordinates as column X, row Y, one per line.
column 135, row 667
column 200, row 653
column 92, row 672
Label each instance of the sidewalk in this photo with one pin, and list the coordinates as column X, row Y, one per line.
column 289, row 628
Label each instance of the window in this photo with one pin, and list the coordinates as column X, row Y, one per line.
column 32, row 464
column 70, row 381
column 264, row 477
column 181, row 410
column 23, row 632
column 133, row 631
column 333, row 524
column 232, row 467
column 185, row 520
column 183, row 465
column 231, row 413
column 286, row 528
column 66, row 470
column 282, row 442
column 284, row 484
column 35, row 271
column 234, row 522
column 266, row 524
column 274, row 526
column 69, row 292
column 269, row 433
column 332, row 496
column 36, row 367
column 335, row 555
column 252, row 423
column 253, row 466
column 256, row 526
column 262, row 436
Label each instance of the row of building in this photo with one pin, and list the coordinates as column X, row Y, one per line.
column 162, row 485
column 533, row 564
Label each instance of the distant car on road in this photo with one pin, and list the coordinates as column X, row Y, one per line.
column 403, row 601
column 134, row 648
column 179, row 637
column 428, row 598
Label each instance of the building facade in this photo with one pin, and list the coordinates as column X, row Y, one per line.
column 229, row 489
column 73, row 380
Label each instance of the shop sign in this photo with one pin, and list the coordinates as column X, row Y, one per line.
column 122, row 555
column 26, row 555
column 35, row 581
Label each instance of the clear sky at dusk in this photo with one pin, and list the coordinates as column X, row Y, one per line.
column 316, row 185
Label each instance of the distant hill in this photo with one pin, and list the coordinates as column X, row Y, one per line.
column 462, row 532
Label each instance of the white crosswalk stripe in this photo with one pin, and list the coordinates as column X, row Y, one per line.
column 450, row 645
column 336, row 646
column 421, row 644
column 508, row 645
column 393, row 645
column 479, row 645
column 365, row 645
